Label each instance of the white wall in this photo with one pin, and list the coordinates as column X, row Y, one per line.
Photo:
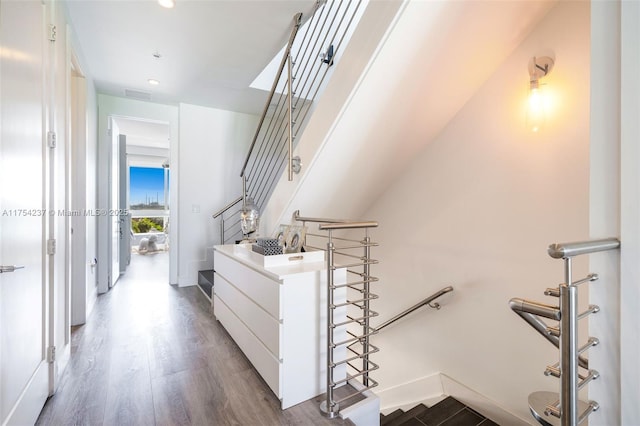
column 630, row 213
column 213, row 146
column 615, row 209
column 130, row 108
column 84, row 133
column 477, row 209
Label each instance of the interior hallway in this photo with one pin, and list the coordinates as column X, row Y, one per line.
column 153, row 354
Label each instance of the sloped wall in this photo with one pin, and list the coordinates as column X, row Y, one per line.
column 391, row 94
column 477, row 209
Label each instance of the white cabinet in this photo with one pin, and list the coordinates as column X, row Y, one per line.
column 274, row 307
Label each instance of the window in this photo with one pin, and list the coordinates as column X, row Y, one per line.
column 148, row 199
column 147, row 188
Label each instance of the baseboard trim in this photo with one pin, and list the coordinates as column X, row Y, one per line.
column 427, row 390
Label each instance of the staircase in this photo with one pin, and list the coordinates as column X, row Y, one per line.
column 448, row 412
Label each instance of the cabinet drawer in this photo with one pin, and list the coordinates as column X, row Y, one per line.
column 262, row 325
column 263, row 291
column 255, row 351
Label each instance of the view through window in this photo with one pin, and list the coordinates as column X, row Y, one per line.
column 148, row 188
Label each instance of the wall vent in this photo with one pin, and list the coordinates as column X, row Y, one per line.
column 137, row 94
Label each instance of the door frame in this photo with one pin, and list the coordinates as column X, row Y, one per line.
column 111, row 106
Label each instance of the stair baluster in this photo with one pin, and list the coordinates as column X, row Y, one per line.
column 354, row 347
column 564, row 408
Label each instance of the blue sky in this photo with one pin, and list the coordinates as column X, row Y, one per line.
column 146, row 184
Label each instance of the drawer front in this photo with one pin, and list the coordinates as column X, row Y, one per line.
column 263, row 361
column 262, row 325
column 257, row 287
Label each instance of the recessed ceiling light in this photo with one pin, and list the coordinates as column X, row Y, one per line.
column 153, row 82
column 167, row 3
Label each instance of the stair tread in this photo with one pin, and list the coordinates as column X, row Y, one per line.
column 405, row 417
column 206, row 275
column 413, row 421
column 205, row 281
column 385, row 420
column 441, row 411
column 448, row 412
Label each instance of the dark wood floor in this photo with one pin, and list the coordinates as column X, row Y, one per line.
column 153, row 354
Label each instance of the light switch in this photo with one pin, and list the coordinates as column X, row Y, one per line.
column 195, row 208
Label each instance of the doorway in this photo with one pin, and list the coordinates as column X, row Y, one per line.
column 144, row 159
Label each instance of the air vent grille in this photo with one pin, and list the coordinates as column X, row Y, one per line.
column 137, row 94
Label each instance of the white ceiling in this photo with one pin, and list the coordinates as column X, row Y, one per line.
column 211, row 50
column 143, row 133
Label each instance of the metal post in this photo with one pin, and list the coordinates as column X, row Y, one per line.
column 244, row 190
column 365, row 343
column 290, row 110
column 329, row 408
column 568, row 349
column 221, row 229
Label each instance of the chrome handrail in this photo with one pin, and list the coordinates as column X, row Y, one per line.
column 529, row 311
column 547, row 407
column 224, row 226
column 227, row 207
column 296, row 217
column 417, row 306
column 566, row 250
column 297, row 19
column 347, row 225
column 332, row 224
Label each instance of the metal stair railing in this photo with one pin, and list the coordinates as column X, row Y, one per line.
column 300, row 79
column 564, row 408
column 425, row 302
column 343, row 251
column 229, row 220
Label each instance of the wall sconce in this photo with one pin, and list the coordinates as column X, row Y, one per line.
column 538, row 68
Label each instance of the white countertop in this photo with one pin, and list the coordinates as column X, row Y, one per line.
column 276, row 267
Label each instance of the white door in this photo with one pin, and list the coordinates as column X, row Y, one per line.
column 114, row 204
column 24, row 371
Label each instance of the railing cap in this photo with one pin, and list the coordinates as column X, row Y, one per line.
column 566, row 250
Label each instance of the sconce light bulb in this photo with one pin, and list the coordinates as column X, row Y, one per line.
column 535, row 108
column 538, row 67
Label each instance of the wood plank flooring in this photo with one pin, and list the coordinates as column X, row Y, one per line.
column 153, row 354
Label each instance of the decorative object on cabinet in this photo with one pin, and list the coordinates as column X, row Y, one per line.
column 249, row 219
column 281, row 235
column 267, row 246
column 295, row 239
